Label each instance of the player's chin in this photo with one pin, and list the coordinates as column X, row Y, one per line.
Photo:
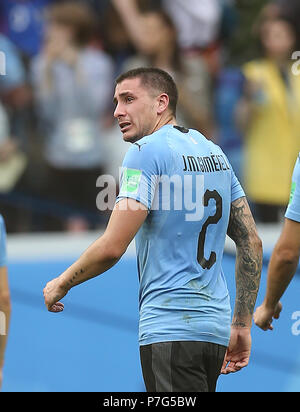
column 129, row 137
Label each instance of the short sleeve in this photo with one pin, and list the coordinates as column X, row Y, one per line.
column 293, row 210
column 3, row 257
column 236, row 188
column 140, row 174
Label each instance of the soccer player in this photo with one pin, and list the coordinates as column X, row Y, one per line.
column 185, row 330
column 284, row 259
column 4, row 297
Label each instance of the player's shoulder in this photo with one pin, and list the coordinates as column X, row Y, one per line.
column 192, row 135
column 205, row 141
column 153, row 144
column 297, row 163
column 297, row 166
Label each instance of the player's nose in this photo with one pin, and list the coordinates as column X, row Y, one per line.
column 119, row 111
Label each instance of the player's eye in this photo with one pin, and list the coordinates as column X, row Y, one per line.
column 129, row 99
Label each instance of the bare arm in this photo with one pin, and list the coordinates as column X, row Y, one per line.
column 242, row 231
column 283, row 263
column 282, row 267
column 5, row 311
column 105, row 252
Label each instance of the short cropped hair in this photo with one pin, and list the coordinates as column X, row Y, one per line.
column 155, row 79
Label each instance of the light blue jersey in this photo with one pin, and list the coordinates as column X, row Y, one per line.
column 293, row 210
column 3, row 258
column 188, row 186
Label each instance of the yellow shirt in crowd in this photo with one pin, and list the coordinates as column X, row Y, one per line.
column 272, row 141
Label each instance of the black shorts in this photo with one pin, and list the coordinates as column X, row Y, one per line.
column 185, row 366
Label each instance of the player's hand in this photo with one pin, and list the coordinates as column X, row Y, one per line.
column 238, row 351
column 263, row 316
column 53, row 292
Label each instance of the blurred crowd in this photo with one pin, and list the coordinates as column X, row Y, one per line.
column 57, row 132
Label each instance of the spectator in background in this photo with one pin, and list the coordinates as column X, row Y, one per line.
column 198, row 24
column 115, row 37
column 227, row 94
column 290, row 10
column 269, row 115
column 13, row 162
column 22, row 22
column 73, row 86
column 155, row 39
column 14, row 91
column 15, row 99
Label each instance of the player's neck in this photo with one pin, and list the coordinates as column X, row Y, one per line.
column 165, row 120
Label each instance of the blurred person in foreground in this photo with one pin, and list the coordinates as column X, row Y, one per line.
column 269, row 116
column 73, row 88
column 15, row 99
column 155, row 39
column 185, row 332
column 5, row 305
column 284, row 260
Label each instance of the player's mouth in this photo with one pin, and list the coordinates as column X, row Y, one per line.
column 124, row 126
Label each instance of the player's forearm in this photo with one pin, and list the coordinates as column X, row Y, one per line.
column 280, row 273
column 248, row 273
column 242, row 231
column 97, row 259
column 5, row 312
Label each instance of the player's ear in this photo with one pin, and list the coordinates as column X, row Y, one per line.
column 163, row 103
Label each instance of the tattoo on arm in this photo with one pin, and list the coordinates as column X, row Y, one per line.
column 70, row 282
column 242, row 231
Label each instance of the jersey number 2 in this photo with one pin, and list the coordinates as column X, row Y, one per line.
column 211, row 220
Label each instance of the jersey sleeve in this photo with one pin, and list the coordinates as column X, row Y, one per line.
column 3, row 257
column 140, row 174
column 293, row 210
column 236, row 188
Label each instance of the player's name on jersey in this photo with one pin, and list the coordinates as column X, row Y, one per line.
column 206, row 164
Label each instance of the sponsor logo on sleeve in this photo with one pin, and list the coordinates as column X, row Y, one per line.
column 131, row 181
column 292, row 191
